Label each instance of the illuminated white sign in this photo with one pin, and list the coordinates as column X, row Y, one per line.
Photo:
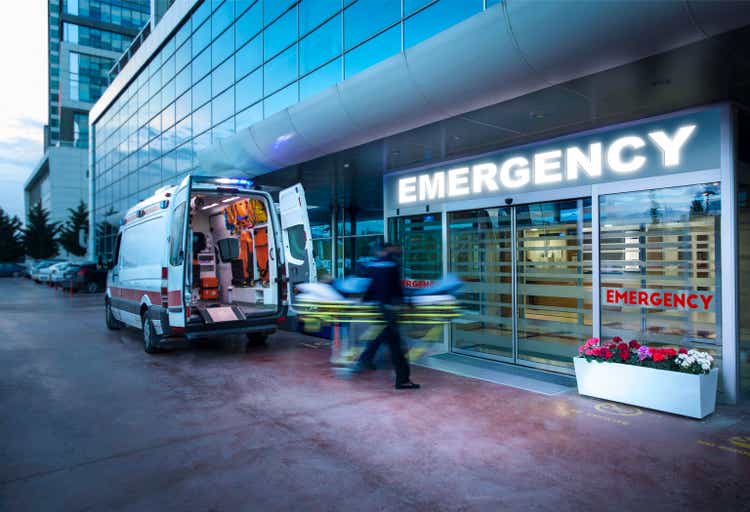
column 626, row 155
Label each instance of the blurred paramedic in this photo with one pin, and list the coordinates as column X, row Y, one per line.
column 385, row 289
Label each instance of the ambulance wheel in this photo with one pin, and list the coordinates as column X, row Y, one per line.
column 256, row 339
column 92, row 287
column 150, row 338
column 112, row 323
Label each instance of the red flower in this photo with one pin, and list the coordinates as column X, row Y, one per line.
column 683, row 350
column 596, row 352
column 670, row 352
column 624, row 355
column 622, row 347
column 658, row 356
column 617, row 339
column 588, row 352
column 634, row 344
column 607, row 353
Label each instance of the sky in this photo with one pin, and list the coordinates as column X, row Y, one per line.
column 23, row 92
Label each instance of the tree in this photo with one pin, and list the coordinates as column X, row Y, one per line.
column 106, row 232
column 39, row 234
column 11, row 245
column 70, row 232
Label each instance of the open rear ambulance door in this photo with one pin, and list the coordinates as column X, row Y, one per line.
column 296, row 237
column 178, row 256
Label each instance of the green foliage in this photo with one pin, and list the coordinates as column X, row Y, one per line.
column 39, row 234
column 11, row 245
column 69, row 234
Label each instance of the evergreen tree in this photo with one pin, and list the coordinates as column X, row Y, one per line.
column 39, row 234
column 69, row 234
column 11, row 245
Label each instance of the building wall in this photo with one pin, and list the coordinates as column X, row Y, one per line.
column 231, row 64
column 67, row 180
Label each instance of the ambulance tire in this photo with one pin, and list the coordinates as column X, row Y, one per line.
column 150, row 338
column 112, row 323
column 256, row 339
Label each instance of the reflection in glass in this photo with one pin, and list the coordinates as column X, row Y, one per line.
column 480, row 254
column 313, row 12
column 664, row 240
column 281, row 100
column 373, row 51
column 249, row 89
column 437, row 18
column 248, row 24
column 321, row 45
column 420, row 238
column 249, row 57
column 553, row 280
column 280, row 71
column 320, row 79
column 367, row 17
column 281, row 34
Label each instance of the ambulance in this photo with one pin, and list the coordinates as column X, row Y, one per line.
column 208, row 257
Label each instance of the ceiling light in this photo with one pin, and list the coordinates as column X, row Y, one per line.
column 230, row 199
column 210, row 206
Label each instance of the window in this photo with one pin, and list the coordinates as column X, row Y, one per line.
column 367, row 17
column 281, row 34
column 145, row 234
column 222, row 106
column 437, row 18
column 222, row 47
column 281, row 100
column 201, row 38
column 373, row 51
column 201, row 65
column 313, row 12
column 421, row 240
column 81, row 130
column 280, row 71
column 202, row 92
column 177, row 235
column 202, row 119
column 96, row 38
column 412, row 5
column 249, row 57
column 249, row 116
column 222, row 77
column 249, row 24
column 675, row 234
column 320, row 46
column 88, row 76
column 222, row 18
column 320, row 79
column 273, row 9
column 249, row 89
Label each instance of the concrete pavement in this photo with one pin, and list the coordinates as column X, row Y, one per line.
column 89, row 421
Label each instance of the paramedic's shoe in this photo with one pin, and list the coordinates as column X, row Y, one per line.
column 407, row 385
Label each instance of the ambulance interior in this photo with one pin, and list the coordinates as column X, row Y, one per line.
column 232, row 266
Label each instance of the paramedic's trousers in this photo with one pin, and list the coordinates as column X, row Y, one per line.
column 389, row 335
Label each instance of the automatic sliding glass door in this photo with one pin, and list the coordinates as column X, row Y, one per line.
column 543, row 252
column 553, row 280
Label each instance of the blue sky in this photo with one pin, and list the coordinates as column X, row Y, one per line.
column 23, row 92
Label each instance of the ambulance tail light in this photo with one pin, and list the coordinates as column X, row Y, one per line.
column 164, row 287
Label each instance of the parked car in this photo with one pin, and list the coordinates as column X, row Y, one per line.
column 45, row 274
column 38, row 267
column 84, row 277
column 11, row 270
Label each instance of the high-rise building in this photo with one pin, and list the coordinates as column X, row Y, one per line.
column 490, row 138
column 86, row 38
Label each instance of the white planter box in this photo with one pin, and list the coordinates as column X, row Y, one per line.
column 679, row 393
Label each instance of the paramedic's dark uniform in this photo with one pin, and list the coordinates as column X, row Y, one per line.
column 385, row 289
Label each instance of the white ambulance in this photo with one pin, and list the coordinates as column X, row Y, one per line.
column 208, row 257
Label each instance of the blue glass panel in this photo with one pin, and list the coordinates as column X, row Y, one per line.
column 367, row 17
column 201, row 13
column 249, row 24
column 273, row 8
column 222, row 77
column 222, row 47
column 201, row 142
column 249, row 89
column 412, row 5
column 373, row 51
column 222, row 106
column 280, row 71
column 168, row 48
column 493, row 2
column 281, row 100
column 281, row 34
column 167, row 116
column 224, row 130
column 202, row 119
column 168, row 94
column 249, row 57
column 201, row 65
column 221, row 19
column 437, row 18
column 183, row 81
column 201, row 38
column 202, row 92
column 182, row 106
column 313, row 12
column 249, row 116
column 167, row 70
column 321, row 45
column 320, row 79
column 183, row 56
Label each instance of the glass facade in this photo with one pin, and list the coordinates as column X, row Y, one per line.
column 87, row 76
column 95, row 38
column 229, row 65
column 126, row 13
